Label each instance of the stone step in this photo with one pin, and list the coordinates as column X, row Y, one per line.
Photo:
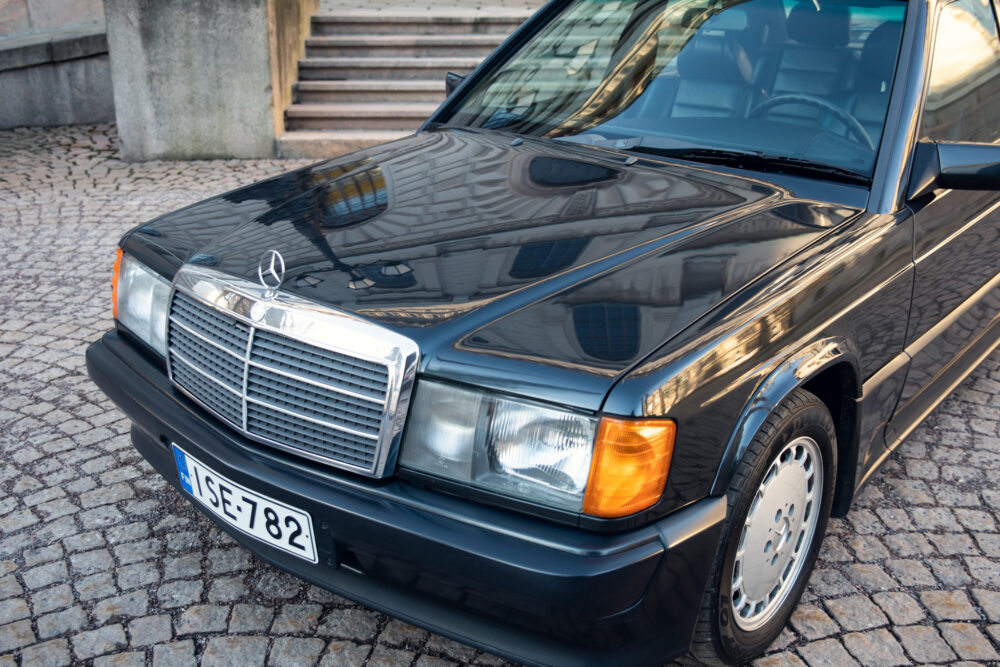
column 318, row 69
column 370, row 90
column 319, row 145
column 402, row 22
column 471, row 46
column 358, row 116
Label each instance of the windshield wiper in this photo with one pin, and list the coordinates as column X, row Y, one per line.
column 756, row 160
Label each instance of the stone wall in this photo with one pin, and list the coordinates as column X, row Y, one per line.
column 203, row 78
column 57, row 76
column 22, row 16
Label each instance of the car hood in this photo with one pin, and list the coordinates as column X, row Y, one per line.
column 536, row 267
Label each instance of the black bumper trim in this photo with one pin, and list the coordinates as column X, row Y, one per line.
column 526, row 589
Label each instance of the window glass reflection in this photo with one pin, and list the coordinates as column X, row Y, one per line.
column 702, row 73
column 607, row 331
column 964, row 92
column 537, row 260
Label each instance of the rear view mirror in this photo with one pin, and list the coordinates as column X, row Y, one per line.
column 955, row 166
column 451, row 82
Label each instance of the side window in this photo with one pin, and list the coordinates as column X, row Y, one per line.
column 964, row 92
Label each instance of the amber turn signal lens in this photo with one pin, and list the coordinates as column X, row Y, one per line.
column 630, row 465
column 114, row 284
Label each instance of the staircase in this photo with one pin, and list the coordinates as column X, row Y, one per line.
column 373, row 75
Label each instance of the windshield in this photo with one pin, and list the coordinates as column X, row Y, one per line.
column 807, row 81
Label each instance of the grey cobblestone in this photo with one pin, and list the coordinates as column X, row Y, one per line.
column 289, row 651
column 121, row 607
column 901, row 608
column 174, row 654
column 100, row 560
column 813, row 623
column 53, row 598
column 130, row 659
column 877, row 647
column 857, row 612
column 98, row 642
column 968, row 641
column 826, row 652
column 16, row 635
column 13, row 610
column 250, row 618
column 61, row 622
column 53, row 653
column 924, row 644
column 949, row 605
column 225, row 651
column 344, row 654
column 150, row 630
column 202, row 619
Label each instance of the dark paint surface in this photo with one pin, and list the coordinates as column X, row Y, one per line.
column 526, row 268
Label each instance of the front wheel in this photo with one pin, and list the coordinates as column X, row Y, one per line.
column 779, row 504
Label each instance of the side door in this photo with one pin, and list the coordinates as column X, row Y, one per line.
column 956, row 233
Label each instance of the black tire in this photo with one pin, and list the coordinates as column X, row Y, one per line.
column 718, row 640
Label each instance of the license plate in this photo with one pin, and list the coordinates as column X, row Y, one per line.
column 267, row 519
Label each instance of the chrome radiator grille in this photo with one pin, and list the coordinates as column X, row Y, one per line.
column 301, row 397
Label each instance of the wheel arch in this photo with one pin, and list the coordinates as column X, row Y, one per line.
column 827, row 368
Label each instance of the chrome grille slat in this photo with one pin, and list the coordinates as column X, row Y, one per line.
column 205, row 339
column 321, row 403
column 194, row 368
column 316, row 440
column 267, row 368
column 228, row 405
column 226, row 370
column 302, row 359
column 284, row 390
column 274, row 409
column 227, row 332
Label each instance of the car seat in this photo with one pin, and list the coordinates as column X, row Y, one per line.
column 869, row 102
column 815, row 61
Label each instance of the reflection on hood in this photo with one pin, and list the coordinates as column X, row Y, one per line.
column 553, row 253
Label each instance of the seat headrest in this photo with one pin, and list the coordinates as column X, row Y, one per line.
column 878, row 58
column 827, row 25
column 714, row 58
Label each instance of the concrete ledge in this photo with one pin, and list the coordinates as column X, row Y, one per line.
column 57, row 77
column 53, row 46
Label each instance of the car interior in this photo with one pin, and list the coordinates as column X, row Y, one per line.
column 763, row 70
column 805, row 79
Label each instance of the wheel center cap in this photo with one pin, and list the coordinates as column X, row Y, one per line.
column 782, row 532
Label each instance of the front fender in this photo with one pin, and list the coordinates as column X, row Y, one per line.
column 793, row 372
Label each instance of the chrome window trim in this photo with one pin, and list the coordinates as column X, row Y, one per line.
column 299, row 319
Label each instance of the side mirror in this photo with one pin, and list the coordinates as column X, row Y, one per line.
column 956, row 166
column 451, row 82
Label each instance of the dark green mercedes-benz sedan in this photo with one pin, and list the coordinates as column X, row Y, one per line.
column 578, row 372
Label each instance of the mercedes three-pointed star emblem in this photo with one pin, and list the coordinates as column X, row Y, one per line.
column 271, row 270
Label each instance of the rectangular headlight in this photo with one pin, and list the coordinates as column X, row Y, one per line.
column 518, row 449
column 141, row 297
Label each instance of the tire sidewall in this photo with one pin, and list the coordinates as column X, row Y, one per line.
column 812, row 420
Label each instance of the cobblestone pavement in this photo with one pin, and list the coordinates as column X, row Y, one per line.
column 100, row 560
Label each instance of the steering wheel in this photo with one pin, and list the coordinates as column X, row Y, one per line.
column 853, row 125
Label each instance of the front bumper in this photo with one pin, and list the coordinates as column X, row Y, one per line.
column 526, row 589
